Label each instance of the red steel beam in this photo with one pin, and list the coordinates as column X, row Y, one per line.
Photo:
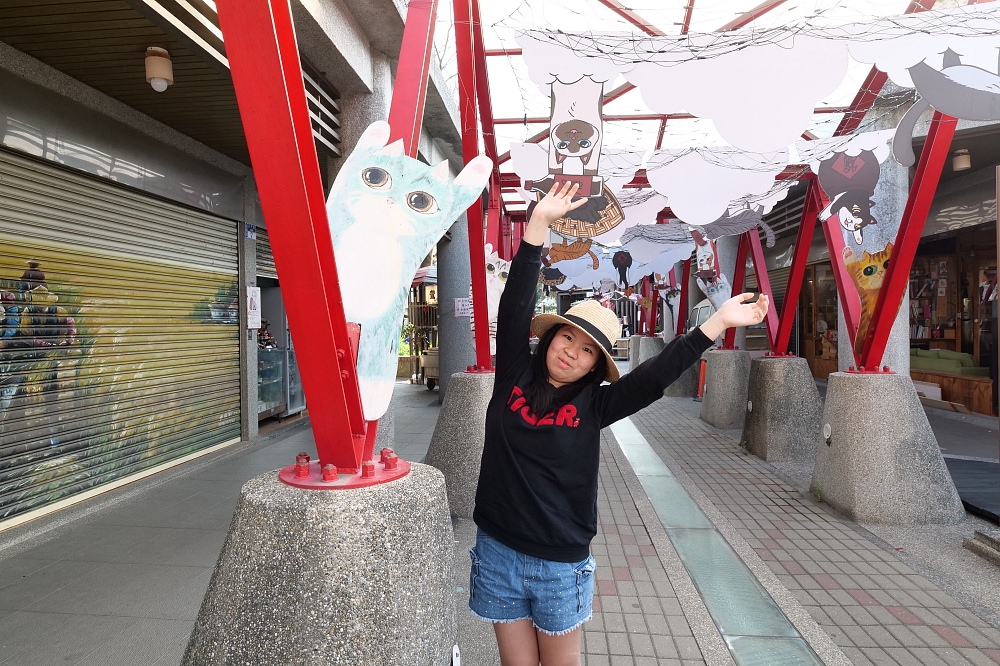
column 764, row 285
column 807, row 226
column 849, row 299
column 267, row 79
column 683, row 303
column 918, row 205
column 872, row 86
column 492, row 53
column 688, row 13
column 739, row 276
column 750, row 16
column 406, row 112
column 464, row 43
column 659, row 135
column 632, row 17
column 626, row 117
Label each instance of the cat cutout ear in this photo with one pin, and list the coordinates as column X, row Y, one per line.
column 476, row 174
column 394, row 149
column 375, row 136
column 441, row 172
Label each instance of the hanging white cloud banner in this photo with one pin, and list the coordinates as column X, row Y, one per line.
column 759, row 87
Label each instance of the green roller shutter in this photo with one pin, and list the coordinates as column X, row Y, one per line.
column 119, row 337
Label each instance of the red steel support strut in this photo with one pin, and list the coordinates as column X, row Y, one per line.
column 470, row 150
column 739, row 276
column 764, row 285
column 807, row 226
column 932, row 159
column 683, row 304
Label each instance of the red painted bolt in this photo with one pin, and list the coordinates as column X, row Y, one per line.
column 391, row 461
column 385, row 454
column 471, row 368
column 329, row 472
column 340, row 353
column 851, row 369
column 861, row 368
column 368, row 469
column 344, row 374
column 302, row 467
column 885, row 368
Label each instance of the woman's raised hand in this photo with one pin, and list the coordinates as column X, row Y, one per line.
column 553, row 206
column 735, row 312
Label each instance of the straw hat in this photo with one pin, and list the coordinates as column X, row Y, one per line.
column 597, row 321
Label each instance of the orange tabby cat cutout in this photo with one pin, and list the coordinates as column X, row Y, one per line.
column 867, row 274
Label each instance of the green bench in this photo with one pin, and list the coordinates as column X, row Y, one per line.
column 944, row 360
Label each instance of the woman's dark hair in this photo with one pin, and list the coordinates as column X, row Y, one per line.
column 543, row 396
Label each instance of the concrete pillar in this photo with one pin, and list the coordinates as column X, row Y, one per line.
column 351, row 576
column 360, row 110
column 456, row 447
column 641, row 348
column 783, row 410
column 877, row 459
column 727, row 374
column 247, row 250
column 454, row 277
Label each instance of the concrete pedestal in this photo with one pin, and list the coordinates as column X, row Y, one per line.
column 641, row 348
column 686, row 386
column 727, row 373
column 783, row 410
column 878, row 460
column 457, row 445
column 361, row 576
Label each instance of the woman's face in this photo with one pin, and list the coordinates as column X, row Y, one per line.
column 571, row 355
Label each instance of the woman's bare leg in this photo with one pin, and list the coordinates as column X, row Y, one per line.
column 517, row 642
column 562, row 650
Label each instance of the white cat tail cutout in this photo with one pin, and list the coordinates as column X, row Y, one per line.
column 386, row 211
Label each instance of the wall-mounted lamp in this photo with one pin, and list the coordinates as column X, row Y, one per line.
column 961, row 160
column 159, row 69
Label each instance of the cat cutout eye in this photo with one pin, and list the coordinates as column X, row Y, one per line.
column 583, row 143
column 562, row 145
column 422, row 203
column 376, row 178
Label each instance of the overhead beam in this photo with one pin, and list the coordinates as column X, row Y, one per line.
column 751, row 15
column 632, row 17
column 494, row 53
column 626, row 117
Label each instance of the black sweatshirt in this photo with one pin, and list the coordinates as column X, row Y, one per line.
column 537, row 487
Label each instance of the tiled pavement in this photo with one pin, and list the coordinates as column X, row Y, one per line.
column 127, row 580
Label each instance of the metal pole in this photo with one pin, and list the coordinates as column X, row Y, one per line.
column 807, row 226
column 470, row 149
column 764, row 286
column 897, row 277
column 739, row 274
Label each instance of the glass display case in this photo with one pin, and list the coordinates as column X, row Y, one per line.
column 296, row 396
column 272, row 391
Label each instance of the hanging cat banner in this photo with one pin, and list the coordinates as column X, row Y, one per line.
column 496, row 281
column 709, row 276
column 740, row 79
column 386, row 212
column 848, row 169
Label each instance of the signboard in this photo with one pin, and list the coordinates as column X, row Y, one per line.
column 463, row 307
column 253, row 307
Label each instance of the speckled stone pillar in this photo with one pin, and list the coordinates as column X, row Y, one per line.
column 686, row 386
column 361, row 576
column 727, row 374
column 877, row 459
column 456, row 447
column 641, row 348
column 783, row 410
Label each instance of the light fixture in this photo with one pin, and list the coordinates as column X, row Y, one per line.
column 961, row 160
column 159, row 69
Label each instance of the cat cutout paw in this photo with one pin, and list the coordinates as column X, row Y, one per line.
column 386, row 212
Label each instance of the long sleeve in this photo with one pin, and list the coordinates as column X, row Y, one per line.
column 645, row 384
column 517, row 307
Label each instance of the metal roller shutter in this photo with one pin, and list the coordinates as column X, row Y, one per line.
column 119, row 336
column 779, row 284
column 265, row 259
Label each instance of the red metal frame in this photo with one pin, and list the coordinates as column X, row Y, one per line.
column 648, row 314
column 807, row 227
column 849, row 300
column 739, row 276
column 683, row 304
column 752, row 15
column 918, row 204
column 406, row 111
column 464, row 43
column 764, row 285
column 632, row 17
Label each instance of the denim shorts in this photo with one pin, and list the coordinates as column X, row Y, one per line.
column 507, row 586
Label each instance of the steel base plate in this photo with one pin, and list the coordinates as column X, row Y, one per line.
column 344, row 481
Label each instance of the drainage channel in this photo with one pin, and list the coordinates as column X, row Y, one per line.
column 754, row 628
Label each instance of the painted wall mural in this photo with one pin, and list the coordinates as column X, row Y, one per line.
column 386, row 212
column 108, row 365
